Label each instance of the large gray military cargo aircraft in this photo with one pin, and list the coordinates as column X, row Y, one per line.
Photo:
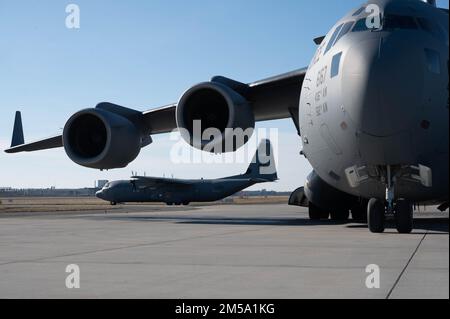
column 371, row 109
column 141, row 189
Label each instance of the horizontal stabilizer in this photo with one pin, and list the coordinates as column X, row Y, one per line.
column 263, row 180
column 263, row 167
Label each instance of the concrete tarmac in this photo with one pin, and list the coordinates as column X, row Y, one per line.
column 254, row 251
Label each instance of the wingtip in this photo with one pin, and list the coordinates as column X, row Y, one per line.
column 13, row 149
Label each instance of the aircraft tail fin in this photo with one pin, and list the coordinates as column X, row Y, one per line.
column 17, row 138
column 263, row 167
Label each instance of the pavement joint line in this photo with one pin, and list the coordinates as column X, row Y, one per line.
column 126, row 247
column 406, row 266
column 204, row 265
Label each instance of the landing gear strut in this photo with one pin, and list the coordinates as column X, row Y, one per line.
column 390, row 191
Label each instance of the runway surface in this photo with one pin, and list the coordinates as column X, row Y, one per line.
column 256, row 251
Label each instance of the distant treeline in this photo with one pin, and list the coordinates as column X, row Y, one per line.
column 50, row 192
column 90, row 192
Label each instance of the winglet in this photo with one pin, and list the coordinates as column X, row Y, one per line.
column 17, row 138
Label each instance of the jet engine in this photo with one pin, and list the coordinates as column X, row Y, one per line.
column 100, row 139
column 213, row 117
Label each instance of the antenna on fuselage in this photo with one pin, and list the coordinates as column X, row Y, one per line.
column 431, row 2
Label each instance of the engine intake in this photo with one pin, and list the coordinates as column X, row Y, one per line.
column 213, row 117
column 100, row 139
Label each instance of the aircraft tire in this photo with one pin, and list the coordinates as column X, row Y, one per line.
column 375, row 215
column 404, row 216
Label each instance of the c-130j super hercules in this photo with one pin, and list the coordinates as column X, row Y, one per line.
column 371, row 109
column 142, row 189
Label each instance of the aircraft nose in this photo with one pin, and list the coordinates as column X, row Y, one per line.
column 382, row 84
column 100, row 194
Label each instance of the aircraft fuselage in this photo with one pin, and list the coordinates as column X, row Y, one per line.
column 377, row 100
column 198, row 191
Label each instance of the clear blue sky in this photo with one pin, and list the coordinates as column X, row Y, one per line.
column 144, row 54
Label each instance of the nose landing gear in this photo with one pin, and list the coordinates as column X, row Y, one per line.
column 404, row 216
column 401, row 209
column 376, row 215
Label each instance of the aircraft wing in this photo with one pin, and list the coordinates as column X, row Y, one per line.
column 18, row 142
column 270, row 99
column 273, row 98
column 146, row 182
column 44, row 144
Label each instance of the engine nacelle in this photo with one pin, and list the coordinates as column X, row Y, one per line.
column 214, row 118
column 100, row 139
column 323, row 195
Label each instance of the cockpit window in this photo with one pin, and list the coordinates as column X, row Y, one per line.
column 345, row 29
column 433, row 61
column 333, row 38
column 360, row 25
column 359, row 11
column 396, row 22
column 335, row 64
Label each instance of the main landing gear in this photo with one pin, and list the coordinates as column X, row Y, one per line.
column 359, row 211
column 317, row 213
column 401, row 209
